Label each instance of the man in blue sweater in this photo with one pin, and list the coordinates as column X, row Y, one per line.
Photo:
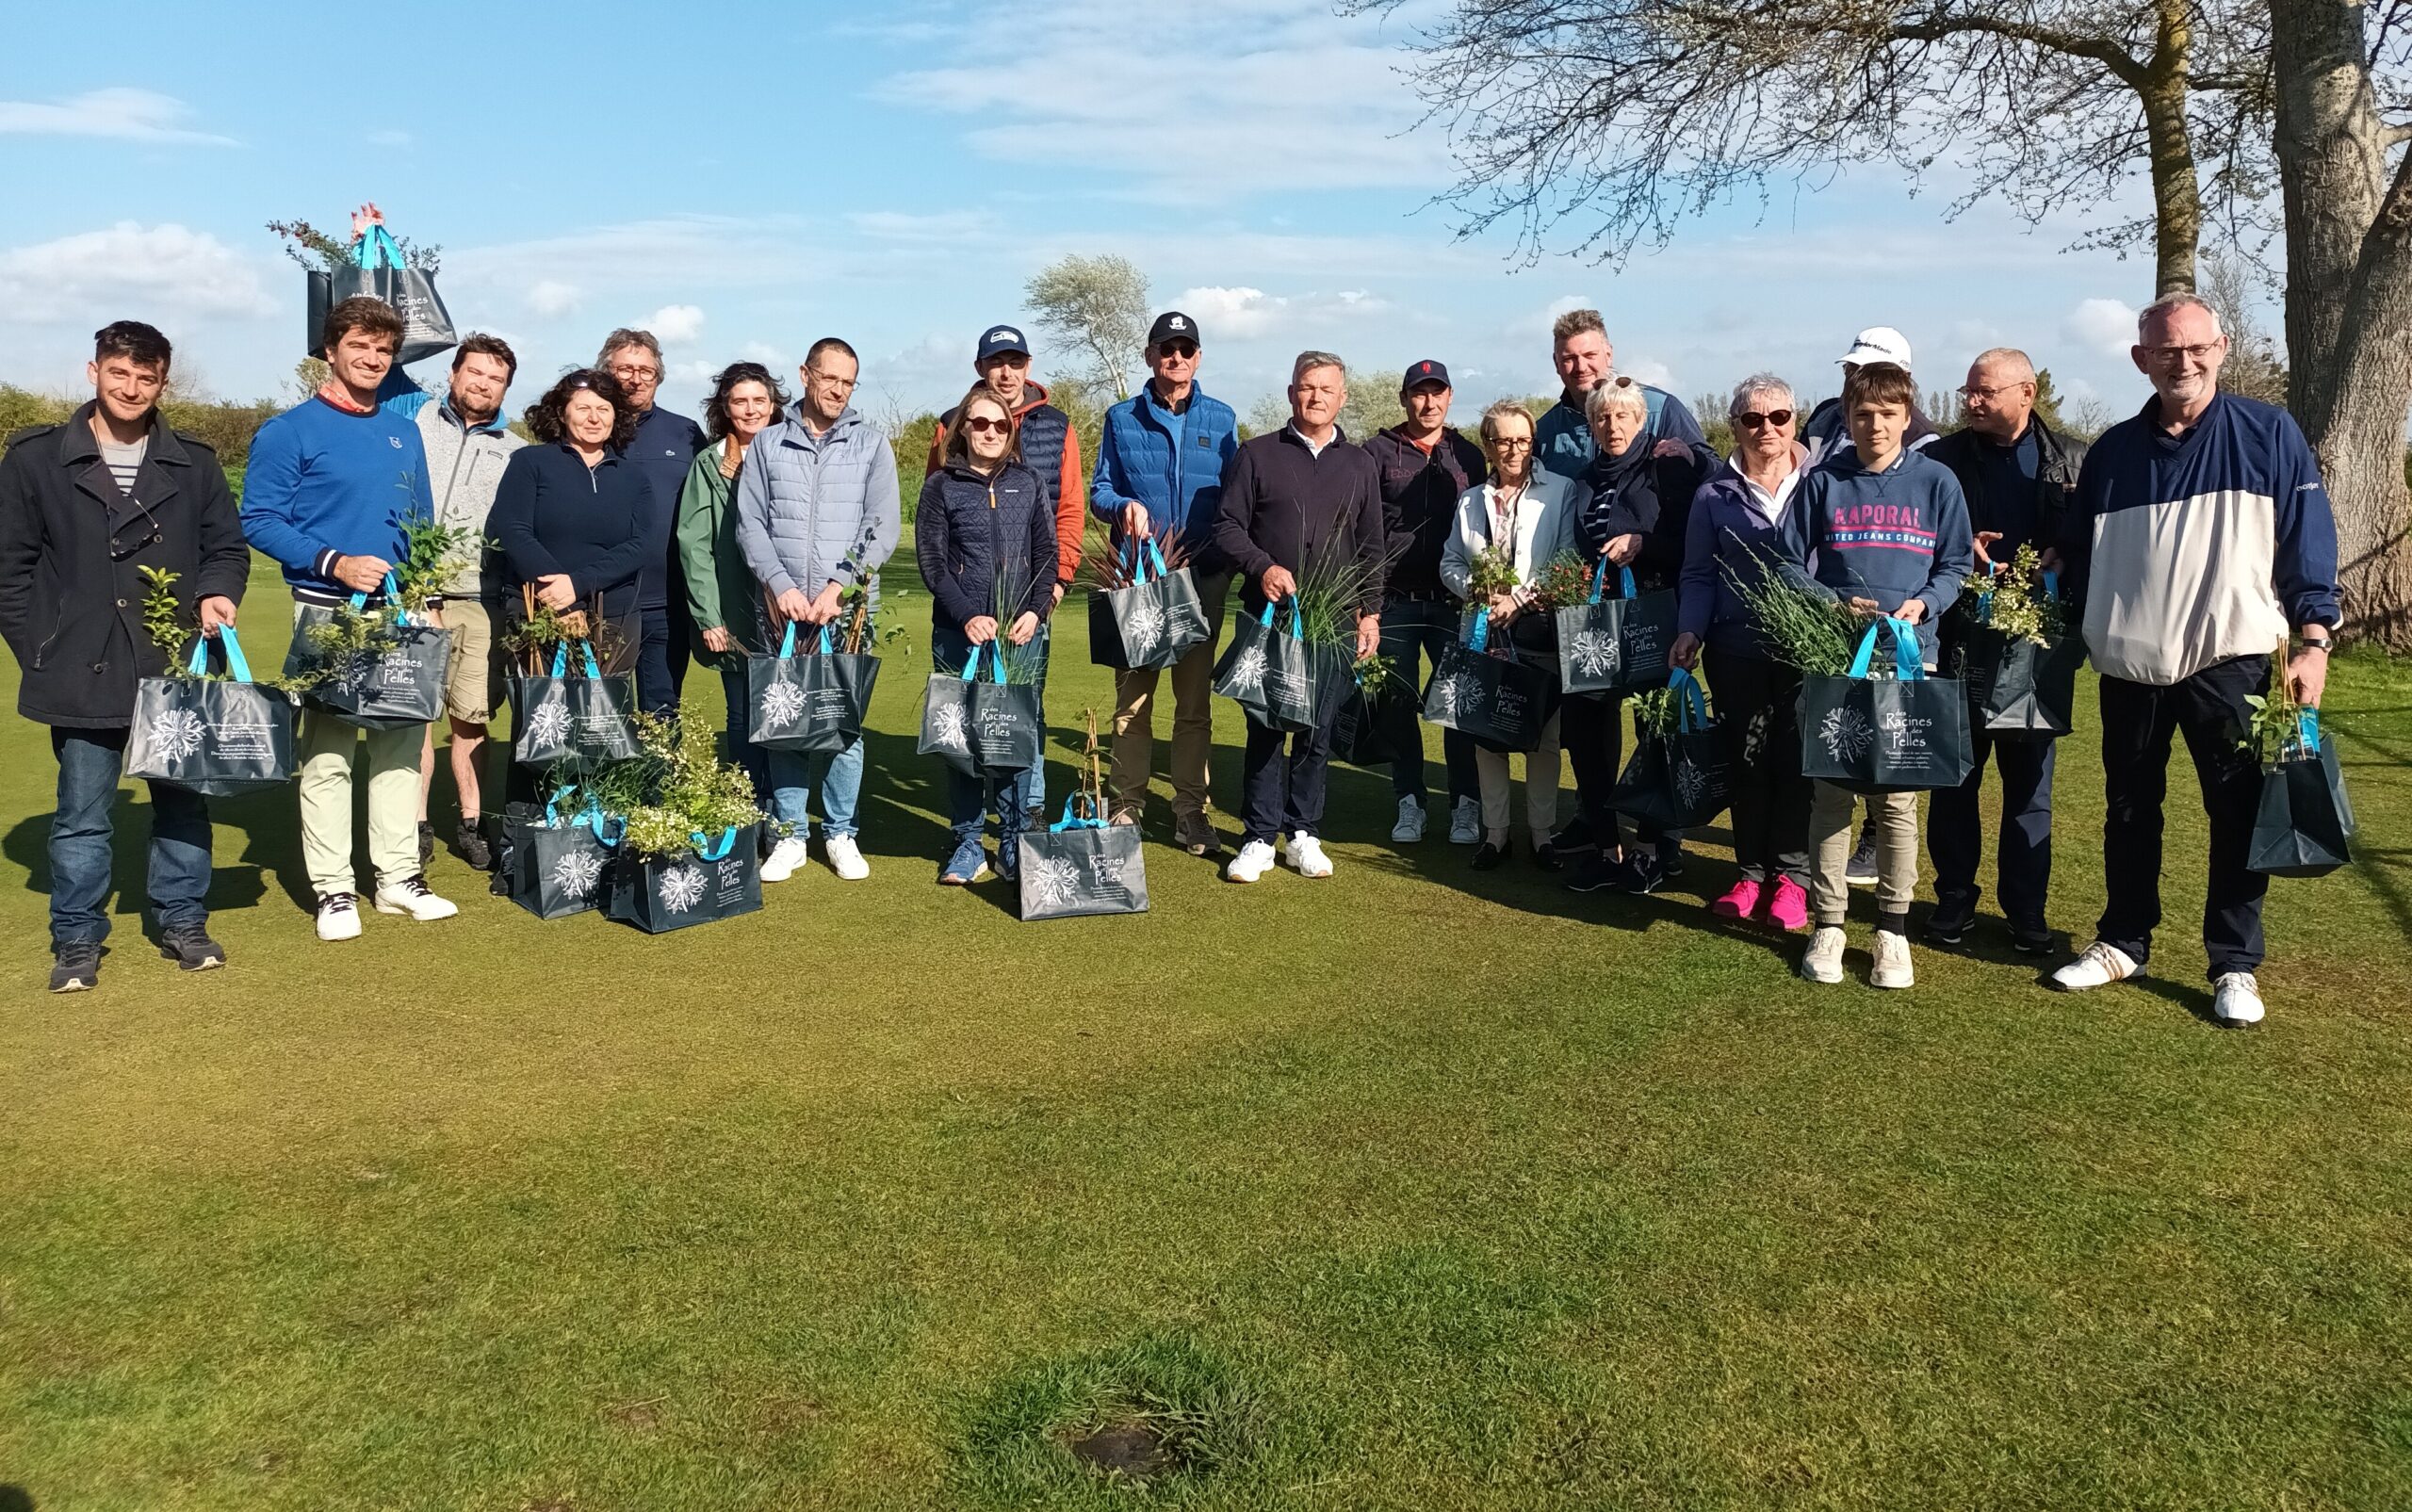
column 1159, row 473
column 1886, row 530
column 2200, row 538
column 328, row 484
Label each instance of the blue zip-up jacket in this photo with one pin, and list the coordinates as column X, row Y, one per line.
column 1562, row 442
column 1181, row 487
column 2195, row 549
column 664, row 447
column 322, row 484
column 1889, row 536
column 967, row 528
column 1728, row 532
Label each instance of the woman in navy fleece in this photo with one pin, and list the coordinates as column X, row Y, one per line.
column 1886, row 530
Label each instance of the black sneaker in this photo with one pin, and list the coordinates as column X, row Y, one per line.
column 471, row 842
column 76, row 966
column 1639, row 873
column 426, row 844
column 1573, row 841
column 191, row 949
column 1861, row 869
column 1546, row 857
column 1596, row 873
column 1671, row 859
column 1950, row 923
column 1486, row 856
column 2031, row 936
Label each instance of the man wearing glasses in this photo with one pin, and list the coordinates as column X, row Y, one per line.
column 663, row 448
column 2019, row 475
column 2201, row 537
column 85, row 507
column 1159, row 473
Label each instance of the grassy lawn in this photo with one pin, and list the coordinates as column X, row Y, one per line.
column 1413, row 1189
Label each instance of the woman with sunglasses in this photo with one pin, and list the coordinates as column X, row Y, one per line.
column 1732, row 534
column 984, row 533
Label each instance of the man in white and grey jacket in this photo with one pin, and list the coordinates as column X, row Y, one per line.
column 467, row 445
column 817, row 514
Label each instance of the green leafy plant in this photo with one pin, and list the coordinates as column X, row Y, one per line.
column 1493, row 573
column 314, row 249
column 163, row 618
column 675, row 788
column 1023, row 663
column 2273, row 730
column 2013, row 603
column 345, row 636
column 1377, row 674
column 1813, row 633
column 1564, row 580
column 1330, row 592
column 433, row 553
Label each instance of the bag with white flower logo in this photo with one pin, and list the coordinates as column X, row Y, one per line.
column 1080, row 866
column 218, row 737
column 1154, row 622
column 1677, row 777
column 379, row 270
column 1615, row 646
column 983, row 724
column 559, row 864
column 1875, row 734
column 710, row 879
column 1492, row 695
column 399, row 681
column 813, row 702
column 572, row 715
column 1270, row 674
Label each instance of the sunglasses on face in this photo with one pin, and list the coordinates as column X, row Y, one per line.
column 1754, row 419
column 980, row 425
column 1181, row 349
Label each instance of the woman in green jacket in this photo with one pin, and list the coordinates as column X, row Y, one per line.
column 720, row 590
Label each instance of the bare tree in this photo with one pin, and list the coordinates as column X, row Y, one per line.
column 2254, row 366
column 1098, row 306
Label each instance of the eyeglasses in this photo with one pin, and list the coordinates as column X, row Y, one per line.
column 2168, row 356
column 830, row 378
column 1754, row 419
column 1971, row 391
column 1183, row 350
column 634, row 373
column 980, row 425
column 1512, row 443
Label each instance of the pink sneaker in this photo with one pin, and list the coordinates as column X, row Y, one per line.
column 1790, row 910
column 1740, row 900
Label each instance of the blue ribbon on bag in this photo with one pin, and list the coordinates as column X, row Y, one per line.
column 1600, row 581
column 561, row 659
column 996, row 662
column 1906, row 663
column 1139, row 554
column 787, row 643
column 376, row 248
column 237, row 667
column 1074, row 821
column 1691, row 706
column 2307, row 731
column 1297, row 618
column 710, row 851
column 393, row 595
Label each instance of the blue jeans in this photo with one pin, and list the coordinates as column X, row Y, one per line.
column 741, row 750
column 90, row 762
column 1424, row 628
column 1017, row 799
column 838, row 774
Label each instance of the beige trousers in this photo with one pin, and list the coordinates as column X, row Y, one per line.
column 1833, row 831
column 324, row 747
column 1193, row 723
column 1540, row 787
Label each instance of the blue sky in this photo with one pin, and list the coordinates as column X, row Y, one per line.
column 894, row 176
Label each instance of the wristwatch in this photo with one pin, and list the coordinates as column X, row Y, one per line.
column 2317, row 643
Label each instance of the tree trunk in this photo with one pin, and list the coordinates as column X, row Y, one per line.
column 2349, row 300
column 2176, row 189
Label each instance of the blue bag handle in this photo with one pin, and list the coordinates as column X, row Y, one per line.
column 1906, row 664
column 827, row 648
column 552, row 806
column 1691, row 709
column 1478, row 633
column 709, row 851
column 1073, row 822
column 1600, row 581
column 996, row 662
column 1156, row 555
column 786, row 643
column 376, row 248
column 393, row 596
column 237, row 666
column 2052, row 583
column 560, row 658
column 2308, row 730
column 594, row 819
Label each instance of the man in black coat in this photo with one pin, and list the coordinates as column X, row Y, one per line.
column 2019, row 475
column 84, row 507
column 1303, row 503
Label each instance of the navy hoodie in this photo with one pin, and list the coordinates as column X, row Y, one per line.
column 1890, row 536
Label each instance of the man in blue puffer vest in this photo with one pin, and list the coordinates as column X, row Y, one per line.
column 1159, row 473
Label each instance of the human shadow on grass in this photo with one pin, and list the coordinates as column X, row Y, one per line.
column 16, row 1498
column 230, row 887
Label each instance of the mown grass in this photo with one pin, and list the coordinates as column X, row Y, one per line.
column 1414, row 1189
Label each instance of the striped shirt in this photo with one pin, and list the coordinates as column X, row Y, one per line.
column 124, row 461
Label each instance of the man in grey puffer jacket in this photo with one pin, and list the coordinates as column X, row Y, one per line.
column 817, row 512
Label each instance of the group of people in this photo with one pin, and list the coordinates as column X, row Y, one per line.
column 2195, row 535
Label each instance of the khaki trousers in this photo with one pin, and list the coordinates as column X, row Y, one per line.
column 324, row 747
column 1193, row 723
column 1834, row 833
column 1540, row 787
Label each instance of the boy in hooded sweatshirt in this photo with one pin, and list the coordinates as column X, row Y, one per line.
column 1886, row 530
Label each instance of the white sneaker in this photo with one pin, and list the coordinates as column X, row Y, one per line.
column 845, row 859
column 338, row 917
column 1465, row 823
column 1893, row 968
column 1306, row 853
column 2236, row 999
column 784, row 858
column 2098, row 967
column 1823, row 960
column 1410, row 827
column 1254, row 860
column 411, row 895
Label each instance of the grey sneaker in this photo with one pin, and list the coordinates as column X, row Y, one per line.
column 1195, row 833
column 77, row 967
column 191, row 949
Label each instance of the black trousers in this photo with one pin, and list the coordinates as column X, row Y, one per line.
column 1758, row 709
column 656, row 684
column 1590, row 729
column 2138, row 721
column 1955, row 828
column 1283, row 778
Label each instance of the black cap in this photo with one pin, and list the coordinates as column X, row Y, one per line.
column 1000, row 338
column 1172, row 326
column 1426, row 371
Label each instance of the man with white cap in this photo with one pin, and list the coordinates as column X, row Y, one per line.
column 1824, row 432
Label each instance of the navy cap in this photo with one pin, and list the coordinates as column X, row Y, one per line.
column 1000, row 338
column 1426, row 371
column 1173, row 326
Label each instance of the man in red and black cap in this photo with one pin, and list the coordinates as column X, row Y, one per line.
column 1424, row 466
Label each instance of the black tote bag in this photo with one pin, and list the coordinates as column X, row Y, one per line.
column 2017, row 689
column 2303, row 826
column 714, row 879
column 567, row 717
column 1152, row 623
column 559, row 867
column 1873, row 735
column 217, row 737
column 379, row 272
column 1082, row 867
column 1680, row 780
column 814, row 702
column 383, row 689
column 983, row 724
column 1615, row 646
column 1269, row 674
column 1496, row 700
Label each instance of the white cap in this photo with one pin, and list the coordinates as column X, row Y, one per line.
column 1879, row 344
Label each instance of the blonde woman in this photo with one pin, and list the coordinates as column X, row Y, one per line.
column 1530, row 514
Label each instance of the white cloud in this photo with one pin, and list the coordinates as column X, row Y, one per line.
column 2104, row 326
column 677, row 323
column 119, row 114
column 550, row 296
column 389, row 138
column 1234, row 314
column 131, row 271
